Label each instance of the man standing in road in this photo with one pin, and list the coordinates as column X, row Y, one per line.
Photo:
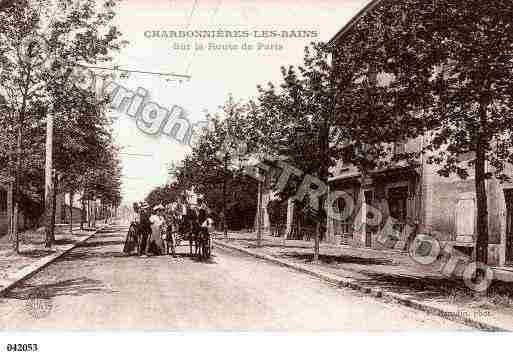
column 145, row 228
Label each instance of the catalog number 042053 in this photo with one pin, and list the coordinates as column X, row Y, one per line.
column 22, row 347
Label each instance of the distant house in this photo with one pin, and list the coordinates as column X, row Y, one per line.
column 415, row 194
column 31, row 210
column 29, row 214
column 62, row 209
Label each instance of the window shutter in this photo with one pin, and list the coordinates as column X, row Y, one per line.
column 465, row 219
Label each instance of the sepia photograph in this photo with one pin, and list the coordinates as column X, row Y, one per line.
column 255, row 170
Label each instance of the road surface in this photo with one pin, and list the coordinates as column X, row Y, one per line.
column 96, row 287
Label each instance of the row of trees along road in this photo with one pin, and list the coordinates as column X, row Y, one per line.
column 450, row 79
column 35, row 86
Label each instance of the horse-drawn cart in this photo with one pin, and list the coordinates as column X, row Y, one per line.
column 179, row 232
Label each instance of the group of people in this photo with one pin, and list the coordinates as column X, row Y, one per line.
column 156, row 231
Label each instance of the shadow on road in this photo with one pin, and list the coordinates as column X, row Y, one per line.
column 337, row 259
column 78, row 256
column 64, row 241
column 113, row 230
column 436, row 288
column 37, row 253
column 113, row 235
column 70, row 287
column 204, row 261
column 279, row 246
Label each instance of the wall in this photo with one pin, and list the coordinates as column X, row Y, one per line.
column 442, row 195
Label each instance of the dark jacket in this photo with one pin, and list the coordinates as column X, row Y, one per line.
column 145, row 223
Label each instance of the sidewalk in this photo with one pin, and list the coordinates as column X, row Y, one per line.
column 392, row 272
column 33, row 255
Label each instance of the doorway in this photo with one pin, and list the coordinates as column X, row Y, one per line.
column 398, row 206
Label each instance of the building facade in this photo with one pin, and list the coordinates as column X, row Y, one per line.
column 415, row 199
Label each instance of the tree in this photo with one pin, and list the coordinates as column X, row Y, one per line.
column 163, row 195
column 450, row 80
column 19, row 75
column 77, row 33
column 40, row 45
column 214, row 168
column 294, row 122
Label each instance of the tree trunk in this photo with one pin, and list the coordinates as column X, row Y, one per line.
column 481, row 196
column 16, row 212
column 87, row 217
column 71, row 212
column 19, row 144
column 10, row 210
column 225, row 229
column 82, row 214
column 89, row 220
column 259, row 215
column 54, row 206
column 323, row 176
column 15, row 228
column 93, row 213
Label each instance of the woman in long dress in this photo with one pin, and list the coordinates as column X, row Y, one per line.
column 157, row 221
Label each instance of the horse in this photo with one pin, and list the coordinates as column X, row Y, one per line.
column 144, row 233
column 203, row 239
column 170, row 234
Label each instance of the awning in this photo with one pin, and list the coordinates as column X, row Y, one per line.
column 345, row 177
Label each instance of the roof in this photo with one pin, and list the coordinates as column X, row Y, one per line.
column 371, row 5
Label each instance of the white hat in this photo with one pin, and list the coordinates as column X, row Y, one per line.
column 158, row 207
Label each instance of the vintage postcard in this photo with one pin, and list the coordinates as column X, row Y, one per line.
column 263, row 166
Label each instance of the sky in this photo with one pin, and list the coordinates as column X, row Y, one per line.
column 214, row 73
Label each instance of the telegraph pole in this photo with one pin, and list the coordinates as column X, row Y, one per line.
column 49, row 184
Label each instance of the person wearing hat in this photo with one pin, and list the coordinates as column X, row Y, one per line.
column 131, row 240
column 157, row 221
column 144, row 228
